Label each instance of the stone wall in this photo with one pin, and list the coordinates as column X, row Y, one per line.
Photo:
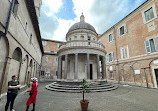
column 21, row 35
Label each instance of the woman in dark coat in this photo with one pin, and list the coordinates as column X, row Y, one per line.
column 33, row 94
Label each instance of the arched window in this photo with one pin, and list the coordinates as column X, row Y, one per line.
column 30, row 63
column 31, row 39
column 17, row 54
column 82, row 37
column 89, row 38
column 75, row 37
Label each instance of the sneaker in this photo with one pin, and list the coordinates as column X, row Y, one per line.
column 12, row 110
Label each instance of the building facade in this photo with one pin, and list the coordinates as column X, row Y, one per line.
column 20, row 41
column 82, row 55
column 132, row 47
column 50, row 59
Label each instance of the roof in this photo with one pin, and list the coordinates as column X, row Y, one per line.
column 81, row 25
column 32, row 12
column 43, row 39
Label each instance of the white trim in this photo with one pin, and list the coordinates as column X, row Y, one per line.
column 112, row 55
column 112, row 35
column 154, row 11
column 122, row 53
column 118, row 30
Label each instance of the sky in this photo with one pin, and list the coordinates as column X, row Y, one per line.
column 57, row 16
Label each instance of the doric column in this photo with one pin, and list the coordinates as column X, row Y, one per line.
column 66, row 60
column 103, row 68
column 59, row 67
column 88, row 67
column 98, row 67
column 76, row 67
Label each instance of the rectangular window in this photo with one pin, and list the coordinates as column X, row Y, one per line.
column 42, row 73
column 56, row 59
column 110, row 57
column 122, row 30
column 110, row 37
column 124, row 53
column 44, row 43
column 58, row 45
column 111, row 75
column 151, row 45
column 149, row 14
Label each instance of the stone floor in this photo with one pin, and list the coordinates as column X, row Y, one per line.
column 125, row 98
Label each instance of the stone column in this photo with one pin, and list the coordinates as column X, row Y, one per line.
column 76, row 67
column 88, row 67
column 4, row 83
column 66, row 60
column 59, row 67
column 98, row 67
column 103, row 68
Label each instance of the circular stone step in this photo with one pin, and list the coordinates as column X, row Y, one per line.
column 75, row 87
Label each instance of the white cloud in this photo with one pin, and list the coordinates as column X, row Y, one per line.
column 54, row 5
column 62, row 29
column 99, row 13
column 103, row 14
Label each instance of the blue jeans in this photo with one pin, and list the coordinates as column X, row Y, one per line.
column 10, row 100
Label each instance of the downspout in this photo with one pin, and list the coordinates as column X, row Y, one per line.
column 8, row 20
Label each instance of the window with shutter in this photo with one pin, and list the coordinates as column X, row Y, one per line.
column 149, row 14
column 151, row 45
column 147, row 45
column 110, row 38
column 124, row 52
column 122, row 30
column 110, row 57
column 118, row 32
column 125, row 28
column 156, row 43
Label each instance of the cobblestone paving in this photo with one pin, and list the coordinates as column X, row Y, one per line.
column 125, row 98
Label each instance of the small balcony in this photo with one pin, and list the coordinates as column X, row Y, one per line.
column 82, row 44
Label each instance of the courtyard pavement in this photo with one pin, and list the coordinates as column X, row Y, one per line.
column 125, row 98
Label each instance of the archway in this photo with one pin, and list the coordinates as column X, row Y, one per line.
column 154, row 72
column 23, row 70
column 14, row 68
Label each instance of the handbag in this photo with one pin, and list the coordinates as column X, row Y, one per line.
column 30, row 93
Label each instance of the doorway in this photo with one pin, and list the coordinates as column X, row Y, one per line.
column 156, row 75
column 91, row 71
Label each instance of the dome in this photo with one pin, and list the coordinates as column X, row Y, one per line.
column 82, row 25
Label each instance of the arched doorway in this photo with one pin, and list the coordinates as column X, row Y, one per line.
column 154, row 72
column 29, row 72
column 15, row 63
column 23, row 70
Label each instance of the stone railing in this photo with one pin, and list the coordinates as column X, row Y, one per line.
column 82, row 43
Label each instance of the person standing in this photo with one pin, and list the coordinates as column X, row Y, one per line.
column 13, row 87
column 33, row 94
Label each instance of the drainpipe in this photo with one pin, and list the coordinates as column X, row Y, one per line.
column 8, row 20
